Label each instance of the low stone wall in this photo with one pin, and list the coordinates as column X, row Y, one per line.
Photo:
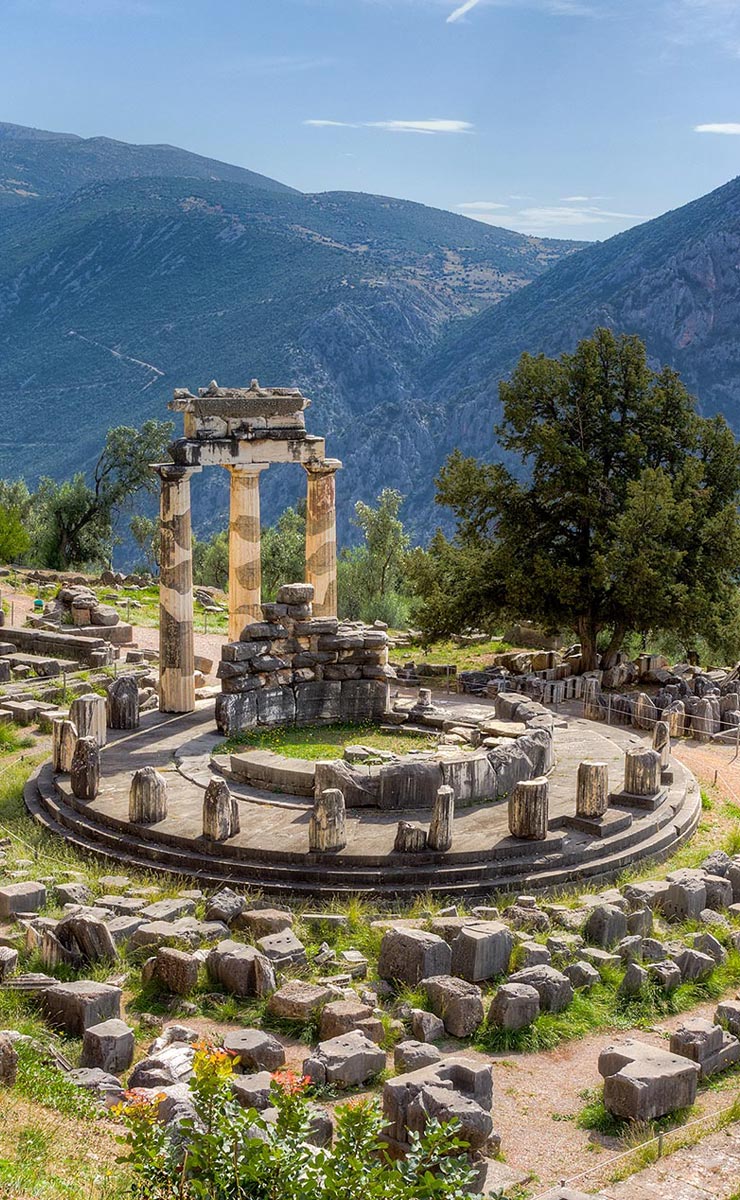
column 294, row 669
column 93, row 651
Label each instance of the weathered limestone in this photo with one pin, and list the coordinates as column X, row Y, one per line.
column 443, row 817
column 241, row 970
column 84, row 775
column 327, row 830
column 457, row 1002
column 529, row 809
column 176, row 653
column 454, row 1087
column 411, row 838
column 643, row 1082
column 348, row 1060
column 76, row 1006
column 592, row 709
column 707, row 1044
column 514, row 1006
column 592, row 789
column 220, row 812
column 147, row 798
column 245, row 568
column 321, row 535
column 641, row 771
column 644, row 712
column 88, row 715
column 675, row 718
column 410, row 955
column 63, row 741
column 122, row 703
column 108, row 1046
column 662, row 743
column 255, row 1050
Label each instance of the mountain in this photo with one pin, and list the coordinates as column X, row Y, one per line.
column 38, row 164
column 674, row 281
column 116, row 291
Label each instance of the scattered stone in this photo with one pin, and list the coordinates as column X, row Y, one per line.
column 582, row 974
column 254, row 1049
column 8, row 1061
column 426, row 1026
column 298, row 1001
column 644, row 1083
column 413, row 1056
column 225, row 906
column 458, row 1003
column 514, row 1006
column 176, row 970
column 259, row 922
column 606, row 925
column 241, row 970
column 410, row 955
column 19, row 898
column 482, row 951
column 76, row 1006
column 108, row 1046
column 349, row 1061
column 552, row 986
column 633, row 980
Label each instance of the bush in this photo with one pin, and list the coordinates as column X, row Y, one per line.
column 227, row 1152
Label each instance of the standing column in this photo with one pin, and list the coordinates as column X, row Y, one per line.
column 176, row 656
column 321, row 536
column 245, row 566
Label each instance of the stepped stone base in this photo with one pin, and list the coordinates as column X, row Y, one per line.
column 271, row 851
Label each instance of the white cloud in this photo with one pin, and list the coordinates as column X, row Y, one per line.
column 425, row 127
column 461, row 11
column 581, row 199
column 731, row 128
column 563, row 218
column 480, row 206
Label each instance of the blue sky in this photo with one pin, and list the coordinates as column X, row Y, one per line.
column 567, row 118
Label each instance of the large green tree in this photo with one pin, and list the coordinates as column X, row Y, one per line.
column 76, row 518
column 617, row 511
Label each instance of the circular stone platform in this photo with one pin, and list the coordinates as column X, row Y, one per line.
column 271, row 853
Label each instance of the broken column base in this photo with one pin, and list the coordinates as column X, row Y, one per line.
column 648, row 803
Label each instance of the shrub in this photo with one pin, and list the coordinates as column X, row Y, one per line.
column 226, row 1152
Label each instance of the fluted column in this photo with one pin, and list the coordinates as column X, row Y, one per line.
column 321, row 536
column 245, row 565
column 176, row 655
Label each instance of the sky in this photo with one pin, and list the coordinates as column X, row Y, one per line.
column 560, row 118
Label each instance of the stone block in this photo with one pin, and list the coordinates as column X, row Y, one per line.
column 108, row 1046
column 283, row 948
column 552, row 986
column 318, row 702
column 298, row 1000
column 514, row 1006
column 260, row 922
column 409, row 784
column 606, row 925
column 719, row 892
column 686, row 896
column 276, row 706
column 241, row 970
column 666, row 974
column 426, row 1026
column 255, row 1050
column 644, row 1083
column 253, row 1091
column 455, row 1087
column 582, row 974
column 482, row 951
column 75, row 1006
column 410, row 955
column 347, row 1061
column 177, row 970
column 414, row 1056
column 24, row 897
column 458, row 1003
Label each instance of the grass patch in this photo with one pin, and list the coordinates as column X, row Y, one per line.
column 326, row 741
column 13, row 738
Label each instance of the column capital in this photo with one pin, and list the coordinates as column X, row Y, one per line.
column 246, row 468
column 326, row 467
column 173, row 473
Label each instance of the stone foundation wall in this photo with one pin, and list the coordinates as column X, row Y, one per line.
column 91, row 651
column 294, row 669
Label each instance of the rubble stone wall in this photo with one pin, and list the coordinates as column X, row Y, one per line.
column 294, row 669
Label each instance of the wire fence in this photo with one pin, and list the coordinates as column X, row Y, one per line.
column 715, row 1122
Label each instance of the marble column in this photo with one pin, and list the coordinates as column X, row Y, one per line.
column 321, row 536
column 176, row 655
column 245, row 566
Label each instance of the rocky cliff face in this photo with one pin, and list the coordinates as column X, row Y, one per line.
column 675, row 281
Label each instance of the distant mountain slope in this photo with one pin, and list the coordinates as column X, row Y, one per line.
column 675, row 281
column 116, row 293
column 37, row 164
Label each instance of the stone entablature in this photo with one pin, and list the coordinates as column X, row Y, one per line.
column 294, row 669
